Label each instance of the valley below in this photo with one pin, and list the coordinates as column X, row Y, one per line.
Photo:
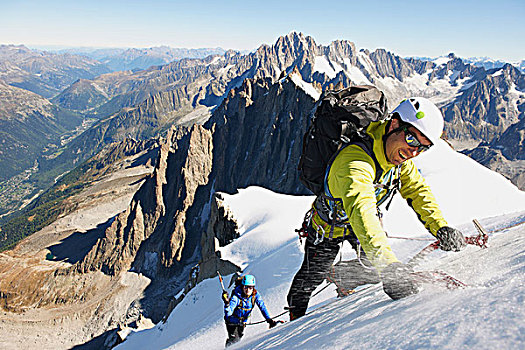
column 45, row 303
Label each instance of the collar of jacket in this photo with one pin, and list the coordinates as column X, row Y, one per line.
column 377, row 130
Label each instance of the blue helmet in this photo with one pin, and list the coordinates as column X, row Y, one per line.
column 248, row 280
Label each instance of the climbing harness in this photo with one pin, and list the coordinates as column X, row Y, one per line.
column 331, row 211
column 303, row 231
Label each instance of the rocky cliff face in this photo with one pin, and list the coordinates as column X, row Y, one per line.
column 222, row 229
column 257, row 136
column 222, row 226
column 512, row 141
column 154, row 221
column 257, row 139
column 41, row 303
column 62, row 199
column 389, row 65
column 175, row 220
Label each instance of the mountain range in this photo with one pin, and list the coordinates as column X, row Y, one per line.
column 479, row 105
column 181, row 132
column 489, row 63
column 44, row 73
column 485, row 62
column 119, row 59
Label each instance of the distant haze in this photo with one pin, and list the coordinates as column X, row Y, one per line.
column 411, row 28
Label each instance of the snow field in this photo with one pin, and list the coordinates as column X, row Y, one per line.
column 488, row 315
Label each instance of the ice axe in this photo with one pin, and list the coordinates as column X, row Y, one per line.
column 224, row 292
column 481, row 239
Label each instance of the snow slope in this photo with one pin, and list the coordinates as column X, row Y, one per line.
column 489, row 314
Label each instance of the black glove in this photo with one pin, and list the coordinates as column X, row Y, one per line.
column 398, row 281
column 450, row 239
column 271, row 322
column 225, row 298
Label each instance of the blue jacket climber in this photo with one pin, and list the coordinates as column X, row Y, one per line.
column 239, row 307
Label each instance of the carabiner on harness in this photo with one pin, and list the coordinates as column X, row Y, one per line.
column 391, row 184
column 303, row 231
column 307, row 228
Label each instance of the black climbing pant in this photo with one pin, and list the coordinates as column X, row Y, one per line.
column 235, row 333
column 317, row 261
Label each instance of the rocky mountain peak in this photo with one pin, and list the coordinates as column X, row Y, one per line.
column 294, row 39
column 342, row 49
column 389, row 65
column 14, row 51
column 294, row 47
column 514, row 73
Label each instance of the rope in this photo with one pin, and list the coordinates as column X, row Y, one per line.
column 410, row 238
column 354, row 292
column 287, row 311
column 254, row 323
column 431, row 239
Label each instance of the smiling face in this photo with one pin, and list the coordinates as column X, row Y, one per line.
column 248, row 290
column 396, row 148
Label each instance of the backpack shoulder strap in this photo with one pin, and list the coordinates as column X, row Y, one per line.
column 366, row 143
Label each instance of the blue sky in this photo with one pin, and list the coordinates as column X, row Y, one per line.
column 407, row 28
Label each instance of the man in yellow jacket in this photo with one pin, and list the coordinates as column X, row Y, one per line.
column 362, row 176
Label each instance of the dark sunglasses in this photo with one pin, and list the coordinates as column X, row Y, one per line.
column 412, row 141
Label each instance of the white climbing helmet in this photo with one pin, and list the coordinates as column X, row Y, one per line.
column 423, row 115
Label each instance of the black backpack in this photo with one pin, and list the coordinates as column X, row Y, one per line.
column 340, row 118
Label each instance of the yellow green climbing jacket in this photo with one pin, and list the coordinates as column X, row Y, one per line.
column 351, row 178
